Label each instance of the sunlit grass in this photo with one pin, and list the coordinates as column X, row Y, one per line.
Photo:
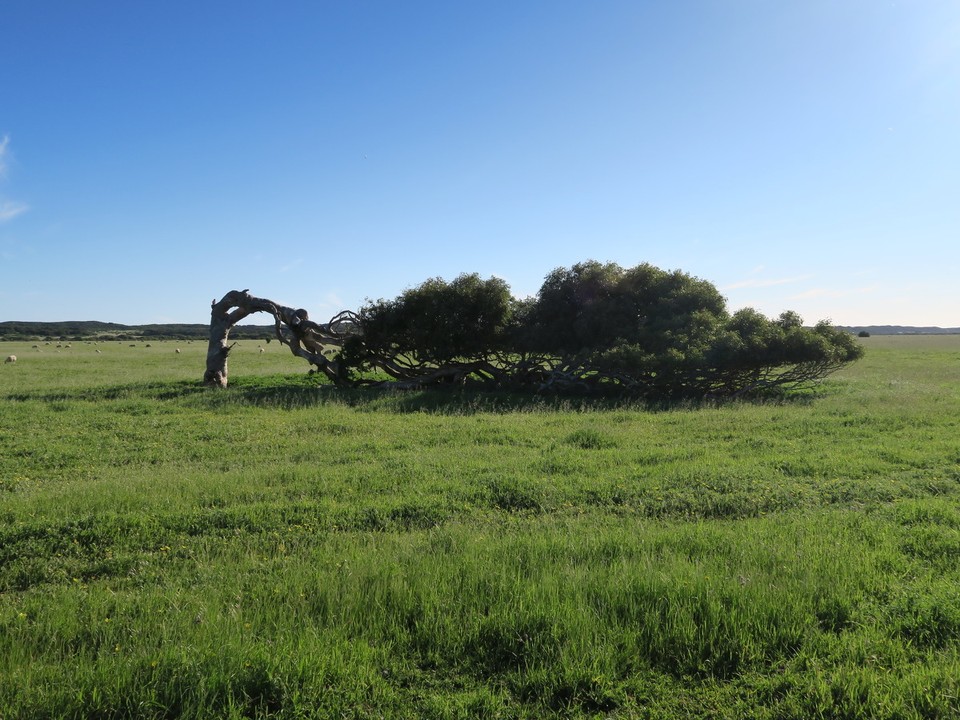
column 287, row 549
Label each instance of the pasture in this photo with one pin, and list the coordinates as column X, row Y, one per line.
column 285, row 549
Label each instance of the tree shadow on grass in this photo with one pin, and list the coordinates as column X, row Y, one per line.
column 286, row 392
column 161, row 390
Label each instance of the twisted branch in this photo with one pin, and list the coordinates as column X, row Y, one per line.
column 294, row 329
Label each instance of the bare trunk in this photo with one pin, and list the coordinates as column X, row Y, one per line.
column 223, row 316
column 217, row 352
column 305, row 339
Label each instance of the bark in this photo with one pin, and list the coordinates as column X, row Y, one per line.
column 294, row 329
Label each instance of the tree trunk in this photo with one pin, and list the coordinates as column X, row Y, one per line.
column 305, row 339
column 223, row 316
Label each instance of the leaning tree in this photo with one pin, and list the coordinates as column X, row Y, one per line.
column 305, row 338
column 591, row 328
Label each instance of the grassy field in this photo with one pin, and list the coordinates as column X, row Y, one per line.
column 286, row 549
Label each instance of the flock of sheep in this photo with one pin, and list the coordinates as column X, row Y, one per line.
column 13, row 358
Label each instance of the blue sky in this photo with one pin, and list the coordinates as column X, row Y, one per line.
column 799, row 155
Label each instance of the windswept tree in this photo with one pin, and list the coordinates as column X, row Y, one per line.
column 593, row 327
column 305, row 338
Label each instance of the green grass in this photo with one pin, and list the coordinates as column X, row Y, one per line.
column 286, row 549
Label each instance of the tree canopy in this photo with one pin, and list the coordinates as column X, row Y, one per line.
column 594, row 327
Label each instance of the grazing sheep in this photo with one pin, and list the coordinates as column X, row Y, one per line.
column 11, row 358
column 262, row 351
column 178, row 351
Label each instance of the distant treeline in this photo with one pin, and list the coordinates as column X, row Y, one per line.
column 899, row 330
column 93, row 330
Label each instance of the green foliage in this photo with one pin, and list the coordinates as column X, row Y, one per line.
column 440, row 322
column 594, row 327
column 592, row 308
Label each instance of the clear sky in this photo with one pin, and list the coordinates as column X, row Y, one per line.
column 799, row 154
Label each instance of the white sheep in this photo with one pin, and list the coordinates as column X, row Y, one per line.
column 178, row 351
column 11, row 358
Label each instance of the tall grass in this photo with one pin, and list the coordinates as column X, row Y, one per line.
column 286, row 549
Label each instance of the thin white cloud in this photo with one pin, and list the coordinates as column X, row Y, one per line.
column 9, row 210
column 822, row 292
column 290, row 266
column 761, row 283
column 326, row 307
column 4, row 143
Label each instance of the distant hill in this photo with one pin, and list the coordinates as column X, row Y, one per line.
column 899, row 330
column 93, row 330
